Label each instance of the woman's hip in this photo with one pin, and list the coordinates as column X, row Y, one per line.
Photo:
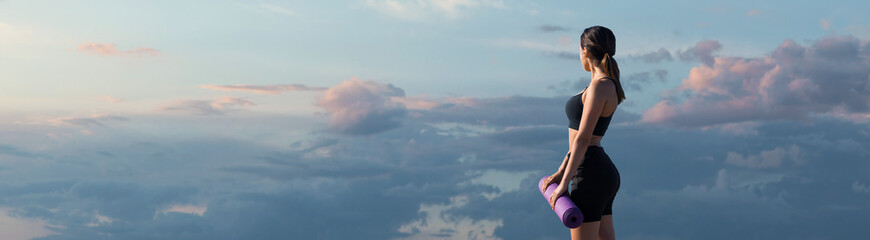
column 596, row 164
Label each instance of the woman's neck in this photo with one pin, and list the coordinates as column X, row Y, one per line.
column 597, row 73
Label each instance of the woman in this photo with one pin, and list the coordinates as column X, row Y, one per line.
column 593, row 177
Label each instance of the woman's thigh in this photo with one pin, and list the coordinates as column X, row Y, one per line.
column 587, row 230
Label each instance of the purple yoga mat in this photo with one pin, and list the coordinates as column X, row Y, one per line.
column 565, row 208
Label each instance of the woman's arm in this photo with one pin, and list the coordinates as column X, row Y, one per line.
column 596, row 94
column 564, row 163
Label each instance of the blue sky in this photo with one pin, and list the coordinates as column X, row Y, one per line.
column 430, row 119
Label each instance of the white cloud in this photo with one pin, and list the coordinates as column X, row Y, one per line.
column 13, row 227
column 458, row 129
column 767, row 159
column 435, row 224
column 100, row 220
column 504, row 181
column 198, row 210
column 860, row 187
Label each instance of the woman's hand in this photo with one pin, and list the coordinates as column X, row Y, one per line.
column 558, row 192
column 555, row 178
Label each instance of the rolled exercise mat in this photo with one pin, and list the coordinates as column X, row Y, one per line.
column 565, row 208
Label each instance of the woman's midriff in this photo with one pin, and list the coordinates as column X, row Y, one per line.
column 595, row 141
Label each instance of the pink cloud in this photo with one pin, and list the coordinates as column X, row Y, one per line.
column 416, row 102
column 362, row 107
column 831, row 77
column 106, row 49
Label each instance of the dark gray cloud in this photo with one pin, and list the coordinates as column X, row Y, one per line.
column 379, row 182
column 654, row 56
column 702, row 51
column 688, row 175
column 636, row 81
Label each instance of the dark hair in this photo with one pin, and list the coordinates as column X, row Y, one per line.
column 601, row 44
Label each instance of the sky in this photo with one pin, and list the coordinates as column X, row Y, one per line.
column 426, row 119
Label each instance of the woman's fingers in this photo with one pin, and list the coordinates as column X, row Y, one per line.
column 553, row 201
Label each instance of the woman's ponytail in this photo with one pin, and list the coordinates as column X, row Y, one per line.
column 608, row 64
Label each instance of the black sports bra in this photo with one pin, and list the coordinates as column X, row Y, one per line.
column 574, row 110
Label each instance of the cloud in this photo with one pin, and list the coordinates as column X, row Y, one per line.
column 14, row 227
column 767, row 159
column 552, row 28
column 452, row 167
column 95, row 120
column 654, row 56
column 527, row 135
column 860, row 188
column 198, row 210
column 702, row 51
column 219, row 106
column 218, row 185
column 423, row 9
column 106, row 49
column 367, row 107
column 362, row 107
column 793, row 82
column 263, row 89
column 635, row 81
column 100, row 220
column 438, row 224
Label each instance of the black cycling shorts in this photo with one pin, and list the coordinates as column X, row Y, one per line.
column 595, row 184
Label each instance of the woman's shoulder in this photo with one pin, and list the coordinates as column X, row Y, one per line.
column 603, row 82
